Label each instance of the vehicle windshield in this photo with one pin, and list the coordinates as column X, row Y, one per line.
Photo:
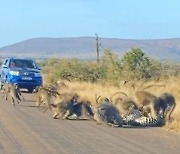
column 23, row 63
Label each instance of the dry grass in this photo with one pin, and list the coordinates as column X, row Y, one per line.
column 88, row 91
column 174, row 126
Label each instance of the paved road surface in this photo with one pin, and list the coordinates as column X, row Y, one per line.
column 26, row 130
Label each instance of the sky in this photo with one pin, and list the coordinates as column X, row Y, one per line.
column 125, row 19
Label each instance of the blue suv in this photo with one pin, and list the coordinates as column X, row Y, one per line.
column 22, row 71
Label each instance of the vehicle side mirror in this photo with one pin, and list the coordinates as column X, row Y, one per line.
column 38, row 66
column 4, row 66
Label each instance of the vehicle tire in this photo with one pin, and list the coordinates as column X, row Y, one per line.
column 30, row 90
column 1, row 85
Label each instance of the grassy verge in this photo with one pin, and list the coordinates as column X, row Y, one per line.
column 88, row 91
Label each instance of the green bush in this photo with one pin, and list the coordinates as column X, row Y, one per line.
column 134, row 65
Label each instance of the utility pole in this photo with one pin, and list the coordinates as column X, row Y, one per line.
column 97, row 47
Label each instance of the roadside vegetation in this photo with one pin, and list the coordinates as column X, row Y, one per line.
column 89, row 78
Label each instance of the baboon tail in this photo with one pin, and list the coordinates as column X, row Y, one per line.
column 139, row 88
column 153, row 85
column 171, row 110
column 18, row 97
column 53, row 105
column 97, row 99
column 120, row 92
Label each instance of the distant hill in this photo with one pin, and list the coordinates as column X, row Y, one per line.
column 84, row 47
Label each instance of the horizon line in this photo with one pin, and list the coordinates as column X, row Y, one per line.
column 92, row 37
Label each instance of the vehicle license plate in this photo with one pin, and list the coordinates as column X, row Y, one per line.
column 26, row 78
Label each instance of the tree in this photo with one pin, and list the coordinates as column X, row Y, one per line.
column 136, row 64
column 111, row 64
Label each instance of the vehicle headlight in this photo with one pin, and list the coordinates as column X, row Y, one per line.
column 15, row 73
column 37, row 74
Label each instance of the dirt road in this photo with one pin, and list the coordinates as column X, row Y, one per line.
column 26, row 130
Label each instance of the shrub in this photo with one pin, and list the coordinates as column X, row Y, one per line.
column 134, row 65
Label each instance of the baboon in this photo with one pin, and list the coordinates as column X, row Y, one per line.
column 65, row 96
column 43, row 96
column 14, row 93
column 143, row 101
column 151, row 105
column 5, row 90
column 1, row 86
column 106, row 112
column 49, row 89
column 59, row 109
column 73, row 105
column 66, row 108
column 87, row 109
column 166, row 103
column 57, row 86
column 135, row 116
column 18, row 91
column 146, row 101
column 124, row 103
column 102, row 100
column 81, row 110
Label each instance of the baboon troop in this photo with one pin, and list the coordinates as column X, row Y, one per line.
column 155, row 109
column 142, row 108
